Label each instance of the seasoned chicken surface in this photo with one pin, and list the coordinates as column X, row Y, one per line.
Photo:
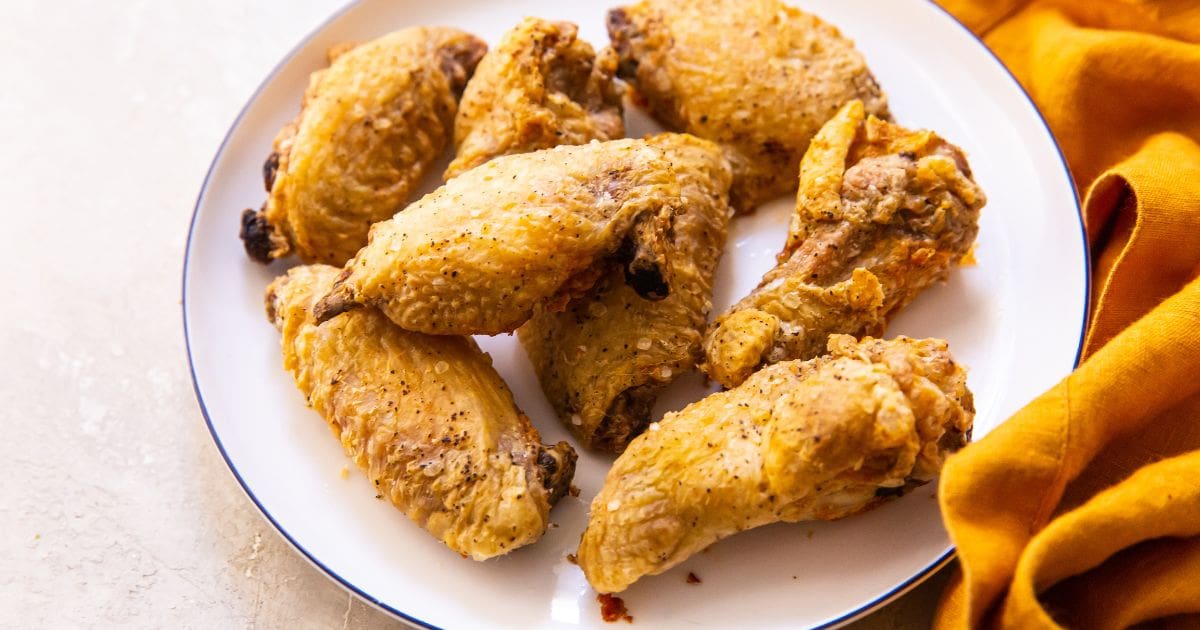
column 426, row 418
column 515, row 236
column 756, row 76
column 802, row 440
column 604, row 360
column 371, row 125
column 541, row 87
column 882, row 213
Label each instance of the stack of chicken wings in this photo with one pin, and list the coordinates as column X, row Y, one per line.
column 600, row 251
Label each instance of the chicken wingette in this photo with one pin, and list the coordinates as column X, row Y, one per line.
column 803, row 440
column 427, row 419
column 541, row 87
column 882, row 213
column 755, row 76
column 604, row 360
column 515, row 236
column 371, row 126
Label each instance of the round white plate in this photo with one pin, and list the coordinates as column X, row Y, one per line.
column 1015, row 319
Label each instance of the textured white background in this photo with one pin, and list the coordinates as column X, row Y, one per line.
column 115, row 507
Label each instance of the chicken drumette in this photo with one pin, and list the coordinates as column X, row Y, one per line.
column 883, row 212
column 802, row 440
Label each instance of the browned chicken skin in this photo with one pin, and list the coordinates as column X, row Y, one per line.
column 883, row 212
column 370, row 127
column 541, row 87
column 801, row 440
column 757, row 77
column 518, row 235
column 603, row 361
column 427, row 419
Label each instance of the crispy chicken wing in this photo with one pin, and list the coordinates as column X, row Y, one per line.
column 372, row 124
column 756, row 76
column 801, row 440
column 604, row 360
column 882, row 213
column 541, row 87
column 519, row 234
column 427, row 418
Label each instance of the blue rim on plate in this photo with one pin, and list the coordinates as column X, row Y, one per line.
column 898, row 591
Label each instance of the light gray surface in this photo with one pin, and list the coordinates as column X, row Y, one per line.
column 116, row 509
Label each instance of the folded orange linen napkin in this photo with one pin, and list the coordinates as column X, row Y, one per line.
column 1083, row 509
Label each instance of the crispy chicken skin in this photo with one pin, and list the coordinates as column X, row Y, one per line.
column 517, row 235
column 427, row 418
column 370, row 127
column 802, row 440
column 604, row 360
column 756, row 76
column 882, row 213
column 541, row 87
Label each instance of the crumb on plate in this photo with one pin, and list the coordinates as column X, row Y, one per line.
column 612, row 608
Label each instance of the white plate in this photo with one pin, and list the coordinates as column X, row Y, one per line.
column 1015, row 319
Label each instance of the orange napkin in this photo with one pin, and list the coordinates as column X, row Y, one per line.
column 1083, row 509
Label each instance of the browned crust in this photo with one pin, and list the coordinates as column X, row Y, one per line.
column 644, row 255
column 557, row 464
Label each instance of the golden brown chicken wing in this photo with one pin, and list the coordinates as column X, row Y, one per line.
column 756, row 76
column 372, row 124
column 541, row 87
column 427, row 418
column 604, row 360
column 801, row 440
column 517, row 235
column 882, row 213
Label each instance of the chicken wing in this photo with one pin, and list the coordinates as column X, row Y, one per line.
column 371, row 125
column 427, row 418
column 604, row 360
column 882, row 213
column 756, row 76
column 519, row 234
column 802, row 440
column 541, row 87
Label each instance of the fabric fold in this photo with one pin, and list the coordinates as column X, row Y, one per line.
column 997, row 492
column 1147, row 221
column 1083, row 509
column 1160, row 500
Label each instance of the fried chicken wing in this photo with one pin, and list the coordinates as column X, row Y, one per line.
column 541, row 87
column 802, row 440
column 517, row 235
column 371, row 125
column 604, row 360
column 756, row 76
column 427, row 418
column 882, row 213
